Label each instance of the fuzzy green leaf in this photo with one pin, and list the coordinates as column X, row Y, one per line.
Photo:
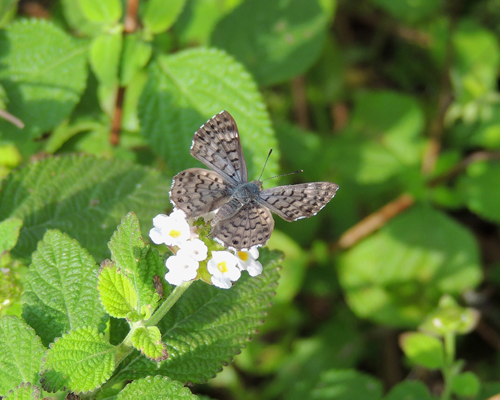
column 423, row 349
column 208, row 326
column 21, row 354
column 44, row 73
column 275, row 40
column 158, row 17
column 155, row 388
column 148, row 342
column 25, row 391
column 136, row 54
column 9, row 232
column 481, row 190
column 106, row 12
column 139, row 262
column 397, row 275
column 342, row 385
column 466, row 384
column 61, row 288
column 117, row 292
column 80, row 361
column 83, row 196
column 409, row 390
column 105, row 55
column 184, row 90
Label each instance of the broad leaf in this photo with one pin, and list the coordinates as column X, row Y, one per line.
column 117, row 292
column 79, row 361
column 60, row 289
column 423, row 349
column 481, row 191
column 157, row 16
column 409, row 390
column 25, row 391
column 21, row 354
column 136, row 54
column 106, row 12
column 275, row 40
column 208, row 326
column 105, row 56
column 155, row 388
column 138, row 261
column 148, row 342
column 9, row 232
column 83, row 196
column 397, row 275
column 44, row 73
column 184, row 90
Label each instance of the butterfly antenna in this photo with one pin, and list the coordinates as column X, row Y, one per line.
column 289, row 173
column 269, row 155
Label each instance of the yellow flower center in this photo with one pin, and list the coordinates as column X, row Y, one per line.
column 222, row 266
column 175, row 234
column 242, row 255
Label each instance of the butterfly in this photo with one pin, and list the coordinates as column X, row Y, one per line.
column 244, row 218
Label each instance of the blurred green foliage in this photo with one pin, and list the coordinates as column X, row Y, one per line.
column 389, row 99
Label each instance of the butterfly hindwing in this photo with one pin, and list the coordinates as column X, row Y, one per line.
column 250, row 226
column 217, row 145
column 293, row 202
column 197, row 191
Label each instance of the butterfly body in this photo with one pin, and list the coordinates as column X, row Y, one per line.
column 243, row 219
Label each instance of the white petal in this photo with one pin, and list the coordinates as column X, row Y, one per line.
column 156, row 235
column 222, row 282
column 255, row 268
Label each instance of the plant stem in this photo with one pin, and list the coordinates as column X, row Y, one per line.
column 168, row 303
column 448, row 369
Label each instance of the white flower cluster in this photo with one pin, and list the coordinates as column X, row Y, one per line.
column 223, row 266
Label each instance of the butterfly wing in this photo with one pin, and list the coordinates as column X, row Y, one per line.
column 197, row 191
column 250, row 226
column 217, row 145
column 293, row 202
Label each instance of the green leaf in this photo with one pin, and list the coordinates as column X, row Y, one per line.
column 25, row 391
column 275, row 40
column 9, row 233
column 409, row 390
column 138, row 261
column 466, row 384
column 136, row 54
column 80, row 361
column 21, row 354
column 155, row 388
column 184, row 90
column 158, row 17
column 83, row 196
column 481, row 190
column 410, row 11
column 106, row 12
column 61, row 289
column 397, row 275
column 344, row 385
column 117, row 292
column 148, row 342
column 423, row 349
column 44, row 73
column 208, row 326
column 105, row 56
column 8, row 10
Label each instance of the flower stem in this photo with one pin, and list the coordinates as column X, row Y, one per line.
column 168, row 303
column 448, row 369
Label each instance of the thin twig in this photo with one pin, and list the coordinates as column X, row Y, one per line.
column 375, row 221
column 300, row 102
column 13, row 120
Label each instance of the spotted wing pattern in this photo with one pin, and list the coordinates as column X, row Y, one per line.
column 251, row 226
column 293, row 202
column 197, row 191
column 217, row 145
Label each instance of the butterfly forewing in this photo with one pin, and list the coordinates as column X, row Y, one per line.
column 292, row 202
column 197, row 191
column 217, row 145
column 251, row 226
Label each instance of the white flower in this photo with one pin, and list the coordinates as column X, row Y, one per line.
column 195, row 249
column 173, row 230
column 181, row 269
column 222, row 267
column 247, row 260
